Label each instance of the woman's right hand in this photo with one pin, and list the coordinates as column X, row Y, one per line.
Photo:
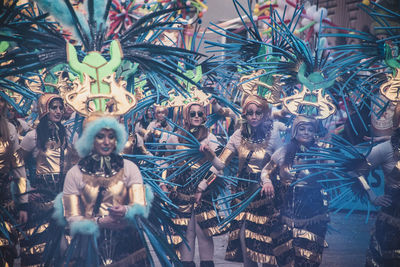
column 207, row 151
column 268, row 190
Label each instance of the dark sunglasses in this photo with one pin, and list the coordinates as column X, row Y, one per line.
column 251, row 113
column 193, row 114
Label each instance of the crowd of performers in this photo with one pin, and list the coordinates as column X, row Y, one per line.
column 116, row 147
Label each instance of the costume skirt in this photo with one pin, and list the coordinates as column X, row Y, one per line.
column 261, row 221
column 384, row 247
column 304, row 215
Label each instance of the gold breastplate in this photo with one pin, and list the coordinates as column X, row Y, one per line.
column 258, row 158
column 48, row 162
column 115, row 193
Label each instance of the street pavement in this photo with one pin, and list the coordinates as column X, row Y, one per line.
column 347, row 239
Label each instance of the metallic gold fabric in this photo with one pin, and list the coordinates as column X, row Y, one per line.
column 206, row 216
column 4, row 242
column 164, row 175
column 116, row 193
column 262, row 258
column 234, row 234
column 17, row 160
column 137, row 194
column 252, row 218
column 175, row 239
column 5, row 148
column 258, row 159
column 301, row 233
column 37, row 249
column 312, row 256
column 181, row 221
column 36, row 230
column 259, row 237
column 72, row 205
column 21, row 183
column 226, row 156
column 48, row 161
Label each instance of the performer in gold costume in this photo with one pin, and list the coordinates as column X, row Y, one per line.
column 250, row 232
column 103, row 190
column 11, row 169
column 48, row 145
column 195, row 217
column 304, row 207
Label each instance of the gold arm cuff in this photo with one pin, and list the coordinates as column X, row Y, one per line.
column 211, row 178
column 72, row 205
column 226, row 156
column 136, row 193
column 18, row 160
column 21, row 183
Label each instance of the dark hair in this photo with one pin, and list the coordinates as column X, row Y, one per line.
column 43, row 133
column 257, row 133
column 292, row 148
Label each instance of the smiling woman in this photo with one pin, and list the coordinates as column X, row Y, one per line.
column 304, row 208
column 104, row 143
column 48, row 145
column 102, row 191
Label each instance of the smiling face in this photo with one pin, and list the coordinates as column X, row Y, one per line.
column 105, row 142
column 196, row 114
column 56, row 110
column 254, row 115
column 305, row 133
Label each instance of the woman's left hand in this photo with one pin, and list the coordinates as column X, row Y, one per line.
column 117, row 211
column 268, row 190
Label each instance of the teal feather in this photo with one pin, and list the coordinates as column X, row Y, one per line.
column 84, row 227
column 58, row 213
column 137, row 209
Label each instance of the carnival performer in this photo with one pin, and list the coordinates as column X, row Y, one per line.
column 104, row 190
column 250, row 238
column 20, row 124
column 195, row 217
column 160, row 122
column 11, row 170
column 135, row 145
column 304, row 208
column 384, row 242
column 48, row 145
column 144, row 121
